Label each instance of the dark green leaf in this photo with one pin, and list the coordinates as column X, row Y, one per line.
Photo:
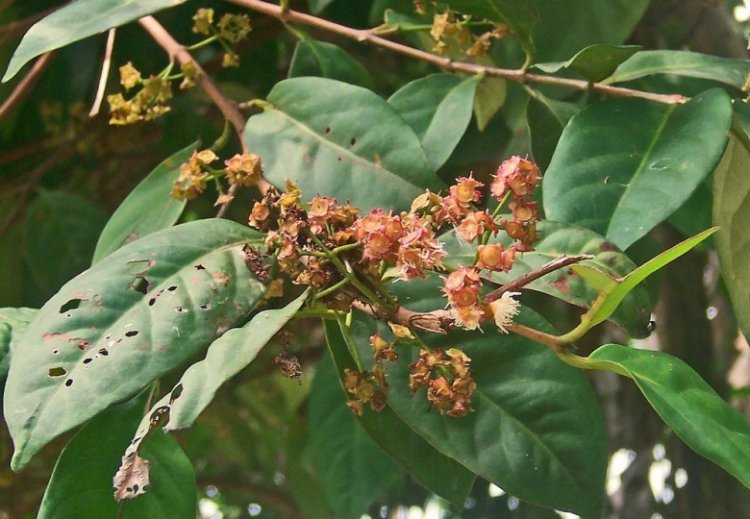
column 13, row 324
column 732, row 214
column 623, row 166
column 81, row 484
column 438, row 108
column 694, row 215
column 728, row 71
column 339, row 140
column 546, row 119
column 705, row 422
column 490, row 97
column 353, row 470
column 595, row 62
column 79, row 20
column 61, row 230
column 129, row 319
column 437, row 473
column 317, row 6
column 317, row 58
column 558, row 239
column 227, row 356
column 532, row 415
column 148, row 208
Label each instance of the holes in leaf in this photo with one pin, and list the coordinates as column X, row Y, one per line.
column 69, row 382
column 57, row 371
column 70, row 305
column 353, row 141
column 200, row 267
column 180, row 310
column 140, row 284
column 327, row 130
column 137, row 267
column 103, row 352
column 55, row 351
column 172, row 288
column 151, row 301
column 176, row 392
column 87, row 361
column 131, row 333
column 205, row 306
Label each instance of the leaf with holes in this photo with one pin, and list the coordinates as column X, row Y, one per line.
column 691, row 408
column 558, row 239
column 148, row 208
column 438, row 108
column 436, row 472
column 595, row 62
column 13, row 324
column 81, row 484
column 318, row 58
column 76, row 21
column 525, row 434
column 623, row 166
column 731, row 214
column 339, row 140
column 131, row 318
column 729, row 71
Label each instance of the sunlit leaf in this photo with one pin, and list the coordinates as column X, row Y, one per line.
column 595, row 62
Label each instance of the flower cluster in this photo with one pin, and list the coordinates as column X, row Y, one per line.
column 447, row 376
column 369, row 387
column 242, row 169
column 230, row 29
column 146, row 104
column 451, row 33
column 519, row 177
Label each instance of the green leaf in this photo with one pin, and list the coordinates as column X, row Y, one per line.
column 434, row 471
column 546, row 119
column 558, row 239
column 317, row 58
column 623, row 166
column 729, row 71
column 317, row 6
column 227, row 356
column 132, row 317
column 148, row 208
column 705, row 422
column 81, row 484
column 612, row 290
column 13, row 324
column 438, row 108
column 490, row 97
column 339, row 140
column 353, row 470
column 519, row 16
column 731, row 212
column 532, row 415
column 595, row 62
column 79, row 20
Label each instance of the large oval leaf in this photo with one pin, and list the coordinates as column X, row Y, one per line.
column 79, row 20
column 340, row 140
column 623, row 166
column 558, row 239
column 81, row 484
column 532, row 415
column 546, row 118
column 319, row 58
column 148, row 208
column 438, row 108
column 595, row 62
column 732, row 214
column 132, row 317
column 729, row 71
column 705, row 422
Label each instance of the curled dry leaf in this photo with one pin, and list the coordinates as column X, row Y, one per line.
column 131, row 478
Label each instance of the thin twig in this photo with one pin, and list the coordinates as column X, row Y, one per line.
column 24, row 86
column 532, row 275
column 226, row 106
column 106, row 65
column 517, row 75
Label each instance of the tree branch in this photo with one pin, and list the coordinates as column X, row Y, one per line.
column 517, row 75
column 24, row 86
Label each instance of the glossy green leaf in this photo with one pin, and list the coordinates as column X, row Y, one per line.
column 567, row 26
column 227, row 356
column 691, row 408
column 732, row 214
column 438, row 108
column 519, row 16
column 558, row 239
column 61, row 230
column 148, row 208
column 129, row 319
column 434, row 471
column 489, row 98
column 81, row 484
column 79, row 20
column 595, row 62
column 729, row 71
column 532, row 415
column 612, row 290
column 353, row 470
column 13, row 324
column 623, row 166
column 339, row 140
column 318, row 58
column 546, row 119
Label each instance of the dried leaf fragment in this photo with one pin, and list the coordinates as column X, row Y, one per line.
column 131, row 478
